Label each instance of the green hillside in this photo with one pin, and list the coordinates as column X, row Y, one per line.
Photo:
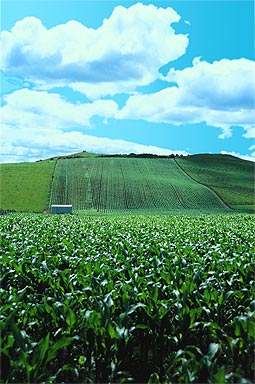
column 26, row 186
column 230, row 177
column 107, row 183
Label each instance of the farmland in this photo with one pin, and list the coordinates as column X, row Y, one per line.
column 232, row 178
column 107, row 184
column 127, row 298
column 123, row 183
column 26, row 186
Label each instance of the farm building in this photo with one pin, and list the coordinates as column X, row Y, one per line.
column 61, row 209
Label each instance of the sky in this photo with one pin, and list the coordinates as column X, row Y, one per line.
column 162, row 77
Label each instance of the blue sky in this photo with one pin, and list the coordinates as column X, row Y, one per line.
column 124, row 76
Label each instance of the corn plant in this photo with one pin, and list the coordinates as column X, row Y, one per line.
column 122, row 298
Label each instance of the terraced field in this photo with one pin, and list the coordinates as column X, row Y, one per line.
column 107, row 184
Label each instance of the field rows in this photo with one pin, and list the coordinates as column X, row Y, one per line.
column 231, row 178
column 108, row 184
column 127, row 299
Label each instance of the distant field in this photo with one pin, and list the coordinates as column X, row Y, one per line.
column 107, row 184
column 230, row 177
column 26, row 186
column 91, row 182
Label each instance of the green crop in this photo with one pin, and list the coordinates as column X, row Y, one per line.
column 152, row 299
column 230, row 177
column 108, row 184
column 26, row 186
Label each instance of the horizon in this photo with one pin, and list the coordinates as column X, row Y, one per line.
column 108, row 77
column 131, row 154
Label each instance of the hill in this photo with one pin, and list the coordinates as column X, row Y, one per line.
column 130, row 182
column 26, row 186
column 76, row 155
column 106, row 184
column 230, row 177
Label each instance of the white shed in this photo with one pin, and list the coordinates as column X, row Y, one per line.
column 61, row 209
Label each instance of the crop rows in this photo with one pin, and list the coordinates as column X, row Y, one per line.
column 230, row 177
column 127, row 298
column 107, row 184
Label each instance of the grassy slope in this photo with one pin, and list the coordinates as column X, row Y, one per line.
column 26, row 186
column 114, row 183
column 230, row 177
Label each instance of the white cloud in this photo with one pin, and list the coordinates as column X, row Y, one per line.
column 220, row 94
column 40, row 110
column 126, row 51
column 222, row 85
column 250, row 157
column 39, row 125
column 37, row 146
column 250, row 132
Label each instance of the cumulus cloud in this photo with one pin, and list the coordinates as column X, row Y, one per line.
column 219, row 93
column 39, row 125
column 222, row 85
column 14, row 149
column 126, row 51
column 250, row 157
column 28, row 108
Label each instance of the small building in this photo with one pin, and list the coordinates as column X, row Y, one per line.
column 61, row 209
